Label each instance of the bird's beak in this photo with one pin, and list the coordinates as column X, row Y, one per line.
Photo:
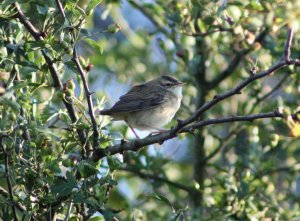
column 180, row 83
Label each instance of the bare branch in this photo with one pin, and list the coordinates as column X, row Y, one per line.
column 61, row 9
column 204, row 34
column 287, row 49
column 234, row 91
column 222, row 145
column 149, row 15
column 88, row 98
column 158, row 178
column 288, row 169
column 250, row 118
column 135, row 145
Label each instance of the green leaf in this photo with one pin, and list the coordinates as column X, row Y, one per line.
column 54, row 167
column 95, row 45
column 71, row 66
column 63, row 187
column 163, row 199
column 86, row 169
column 96, row 218
column 92, row 5
column 114, row 163
column 71, row 179
column 34, row 45
column 10, row 103
column 108, row 214
column 78, row 198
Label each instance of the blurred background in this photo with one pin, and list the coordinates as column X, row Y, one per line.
column 231, row 171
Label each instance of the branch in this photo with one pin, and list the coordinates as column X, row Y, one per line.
column 275, row 114
column 235, row 62
column 9, row 185
column 287, row 51
column 204, row 34
column 54, row 74
column 223, row 144
column 88, row 98
column 149, row 15
column 61, row 9
column 292, row 168
column 158, row 178
column 135, row 145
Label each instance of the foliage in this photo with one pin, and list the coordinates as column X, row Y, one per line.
column 51, row 134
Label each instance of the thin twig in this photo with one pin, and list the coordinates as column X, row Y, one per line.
column 158, row 178
column 204, row 34
column 287, row 51
column 222, row 120
column 149, row 15
column 289, row 169
column 68, row 211
column 9, row 184
column 89, row 99
column 61, row 9
column 224, row 143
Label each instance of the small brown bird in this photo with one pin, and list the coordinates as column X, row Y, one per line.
column 148, row 106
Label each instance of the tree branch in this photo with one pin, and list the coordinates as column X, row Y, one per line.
column 250, row 118
column 158, row 178
column 289, row 169
column 287, row 51
column 222, row 145
column 55, row 77
column 88, row 98
column 135, row 145
column 204, row 34
column 61, row 9
column 149, row 15
column 182, row 127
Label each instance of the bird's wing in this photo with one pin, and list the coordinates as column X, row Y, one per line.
column 138, row 98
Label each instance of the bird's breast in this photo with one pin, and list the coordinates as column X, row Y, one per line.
column 156, row 117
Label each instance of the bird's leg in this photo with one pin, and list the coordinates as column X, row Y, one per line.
column 158, row 130
column 134, row 132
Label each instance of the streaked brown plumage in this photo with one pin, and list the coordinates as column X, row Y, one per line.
column 148, row 106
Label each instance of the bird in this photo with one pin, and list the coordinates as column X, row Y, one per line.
column 148, row 106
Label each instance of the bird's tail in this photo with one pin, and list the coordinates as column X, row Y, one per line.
column 103, row 112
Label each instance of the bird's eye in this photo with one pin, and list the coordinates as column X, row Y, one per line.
column 168, row 84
